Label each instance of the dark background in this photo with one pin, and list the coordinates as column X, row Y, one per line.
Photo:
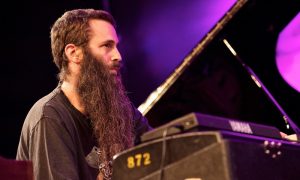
column 28, row 73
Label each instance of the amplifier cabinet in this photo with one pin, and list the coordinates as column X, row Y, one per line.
column 211, row 155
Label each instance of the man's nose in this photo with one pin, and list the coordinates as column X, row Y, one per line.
column 116, row 55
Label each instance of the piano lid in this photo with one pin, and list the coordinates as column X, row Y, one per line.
column 211, row 80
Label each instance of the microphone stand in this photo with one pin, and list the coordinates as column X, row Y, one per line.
column 254, row 77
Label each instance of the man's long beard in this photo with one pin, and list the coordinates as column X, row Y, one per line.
column 105, row 102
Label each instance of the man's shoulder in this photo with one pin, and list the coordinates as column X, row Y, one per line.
column 44, row 107
column 48, row 101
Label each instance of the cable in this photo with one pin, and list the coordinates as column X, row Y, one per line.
column 164, row 148
column 163, row 153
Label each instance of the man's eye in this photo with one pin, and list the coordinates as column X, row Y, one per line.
column 107, row 45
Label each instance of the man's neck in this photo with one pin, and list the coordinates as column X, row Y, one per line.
column 70, row 91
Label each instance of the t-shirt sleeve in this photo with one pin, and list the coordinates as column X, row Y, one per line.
column 51, row 151
column 141, row 124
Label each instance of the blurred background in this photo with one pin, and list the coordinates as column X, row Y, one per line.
column 155, row 37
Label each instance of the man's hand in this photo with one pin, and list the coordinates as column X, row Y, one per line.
column 100, row 176
column 292, row 137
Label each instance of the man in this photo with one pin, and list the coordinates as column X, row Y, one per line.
column 74, row 132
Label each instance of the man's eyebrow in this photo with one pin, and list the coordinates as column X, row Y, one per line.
column 110, row 41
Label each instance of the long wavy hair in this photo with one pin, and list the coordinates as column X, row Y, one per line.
column 106, row 103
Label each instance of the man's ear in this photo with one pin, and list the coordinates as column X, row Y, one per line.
column 73, row 53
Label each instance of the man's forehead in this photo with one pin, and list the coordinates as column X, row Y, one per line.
column 104, row 30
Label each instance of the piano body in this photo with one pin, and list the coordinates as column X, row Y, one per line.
column 211, row 80
column 215, row 80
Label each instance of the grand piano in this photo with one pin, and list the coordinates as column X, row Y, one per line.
column 214, row 86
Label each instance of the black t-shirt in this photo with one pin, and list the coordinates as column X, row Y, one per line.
column 58, row 139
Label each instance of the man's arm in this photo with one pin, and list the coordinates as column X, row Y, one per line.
column 52, row 152
column 141, row 124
